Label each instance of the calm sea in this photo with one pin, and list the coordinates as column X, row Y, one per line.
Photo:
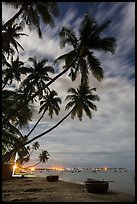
column 121, row 180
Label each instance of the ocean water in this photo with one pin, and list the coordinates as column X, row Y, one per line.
column 121, row 180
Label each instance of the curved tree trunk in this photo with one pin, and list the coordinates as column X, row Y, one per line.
column 36, row 124
column 9, row 154
column 49, row 83
column 5, row 84
column 38, row 136
column 32, row 165
column 9, row 22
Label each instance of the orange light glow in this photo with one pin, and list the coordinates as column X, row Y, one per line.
column 15, row 166
column 58, row 168
column 32, row 169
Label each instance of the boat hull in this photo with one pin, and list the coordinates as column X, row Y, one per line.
column 52, row 178
column 95, row 186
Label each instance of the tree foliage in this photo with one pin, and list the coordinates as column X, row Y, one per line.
column 18, row 102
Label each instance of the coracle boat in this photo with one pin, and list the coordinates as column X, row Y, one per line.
column 96, row 186
column 52, row 178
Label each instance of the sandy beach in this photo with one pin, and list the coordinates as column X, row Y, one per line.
column 36, row 189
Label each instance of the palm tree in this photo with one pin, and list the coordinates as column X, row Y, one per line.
column 49, row 103
column 35, row 146
column 11, row 100
column 31, row 13
column 81, row 100
column 9, row 42
column 22, row 116
column 11, row 135
column 82, row 59
column 12, row 142
column 14, row 71
column 37, row 76
column 43, row 157
column 23, row 158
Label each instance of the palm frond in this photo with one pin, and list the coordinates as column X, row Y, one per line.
column 102, row 27
column 87, row 111
column 72, row 90
column 95, row 66
column 45, row 14
column 107, row 44
column 69, row 58
column 92, row 106
column 67, row 36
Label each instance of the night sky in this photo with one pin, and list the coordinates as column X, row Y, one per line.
column 108, row 139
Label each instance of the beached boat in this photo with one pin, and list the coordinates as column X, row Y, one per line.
column 52, row 178
column 96, row 186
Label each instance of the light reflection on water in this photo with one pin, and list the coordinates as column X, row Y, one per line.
column 123, row 181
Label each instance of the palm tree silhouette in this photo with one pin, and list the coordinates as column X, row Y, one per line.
column 35, row 146
column 23, row 157
column 43, row 157
column 14, row 71
column 9, row 40
column 49, row 103
column 37, row 76
column 82, row 59
column 81, row 100
column 21, row 116
column 31, row 13
column 14, row 140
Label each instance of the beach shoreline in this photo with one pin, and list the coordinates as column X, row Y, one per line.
column 38, row 189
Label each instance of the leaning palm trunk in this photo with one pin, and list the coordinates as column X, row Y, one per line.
column 38, row 136
column 5, row 84
column 26, row 167
column 9, row 22
column 8, row 155
column 49, row 83
column 36, row 124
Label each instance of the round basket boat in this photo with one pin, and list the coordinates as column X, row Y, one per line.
column 52, row 178
column 96, row 186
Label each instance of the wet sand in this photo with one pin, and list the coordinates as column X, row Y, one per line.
column 37, row 189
